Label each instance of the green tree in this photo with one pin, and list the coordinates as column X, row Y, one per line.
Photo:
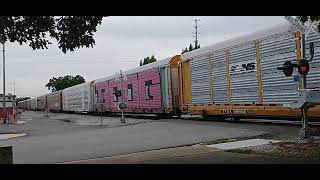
column 148, row 60
column 57, row 84
column 152, row 59
column 191, row 48
column 71, row 32
column 304, row 19
column 184, row 50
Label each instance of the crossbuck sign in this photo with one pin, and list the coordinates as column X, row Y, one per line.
column 296, row 24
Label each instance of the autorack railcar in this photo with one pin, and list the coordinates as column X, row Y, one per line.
column 151, row 88
column 239, row 77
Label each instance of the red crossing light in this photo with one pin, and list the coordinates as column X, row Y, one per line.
column 303, row 67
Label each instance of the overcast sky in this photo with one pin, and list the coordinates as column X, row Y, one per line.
column 120, row 43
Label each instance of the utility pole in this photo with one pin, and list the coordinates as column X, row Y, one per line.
column 196, row 26
column 4, row 114
column 122, row 98
column 14, row 87
column 304, row 111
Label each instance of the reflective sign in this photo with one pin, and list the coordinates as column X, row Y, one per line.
column 296, row 24
column 296, row 78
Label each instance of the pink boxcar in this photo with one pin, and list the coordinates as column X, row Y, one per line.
column 151, row 88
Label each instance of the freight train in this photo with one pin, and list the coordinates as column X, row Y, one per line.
column 152, row 88
column 234, row 78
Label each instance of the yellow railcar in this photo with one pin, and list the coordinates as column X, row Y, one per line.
column 239, row 77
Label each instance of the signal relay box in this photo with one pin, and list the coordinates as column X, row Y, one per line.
column 307, row 98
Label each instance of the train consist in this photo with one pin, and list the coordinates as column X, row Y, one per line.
column 152, row 88
column 233, row 78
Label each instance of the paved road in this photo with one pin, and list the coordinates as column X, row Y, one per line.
column 37, row 125
column 69, row 142
column 196, row 154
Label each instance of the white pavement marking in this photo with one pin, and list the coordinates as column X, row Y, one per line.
column 9, row 136
column 26, row 119
column 23, row 119
column 242, row 144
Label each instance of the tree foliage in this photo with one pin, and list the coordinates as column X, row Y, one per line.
column 71, row 32
column 304, row 19
column 191, row 48
column 22, row 99
column 57, row 84
column 148, row 60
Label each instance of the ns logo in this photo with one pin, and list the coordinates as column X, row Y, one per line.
column 243, row 67
column 248, row 66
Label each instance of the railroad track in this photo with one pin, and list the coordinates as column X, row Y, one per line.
column 295, row 122
column 284, row 122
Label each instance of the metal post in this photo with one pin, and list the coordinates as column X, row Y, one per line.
column 122, row 98
column 196, row 33
column 122, row 117
column 304, row 130
column 4, row 87
column 14, row 87
column 101, row 123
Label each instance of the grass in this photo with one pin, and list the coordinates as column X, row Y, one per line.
column 242, row 151
column 308, row 155
column 310, row 150
column 298, row 151
column 312, row 155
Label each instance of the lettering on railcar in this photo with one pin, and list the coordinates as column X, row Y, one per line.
column 224, row 111
column 243, row 67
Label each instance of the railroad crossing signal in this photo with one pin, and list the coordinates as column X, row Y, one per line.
column 117, row 93
column 303, row 68
column 287, row 68
column 122, row 106
column 302, row 65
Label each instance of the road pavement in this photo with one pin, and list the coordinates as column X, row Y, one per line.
column 196, row 154
column 55, row 141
